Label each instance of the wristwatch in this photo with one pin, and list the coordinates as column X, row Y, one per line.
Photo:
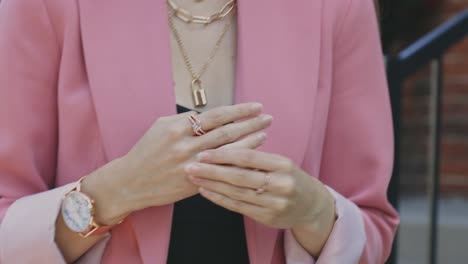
column 78, row 211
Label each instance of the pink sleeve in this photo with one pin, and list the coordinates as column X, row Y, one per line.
column 29, row 59
column 346, row 240
column 28, row 230
column 357, row 157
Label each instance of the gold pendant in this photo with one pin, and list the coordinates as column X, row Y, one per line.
column 198, row 93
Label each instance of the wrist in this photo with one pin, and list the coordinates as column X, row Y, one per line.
column 321, row 206
column 103, row 187
column 313, row 231
column 320, row 219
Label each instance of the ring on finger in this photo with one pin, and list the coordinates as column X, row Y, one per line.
column 265, row 184
column 196, row 125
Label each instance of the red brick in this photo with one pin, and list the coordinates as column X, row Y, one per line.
column 455, row 148
column 455, row 167
column 415, row 122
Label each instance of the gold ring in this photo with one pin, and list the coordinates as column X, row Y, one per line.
column 262, row 188
column 196, row 125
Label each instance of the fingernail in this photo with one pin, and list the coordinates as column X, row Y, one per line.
column 192, row 167
column 261, row 136
column 256, row 107
column 267, row 118
column 203, row 156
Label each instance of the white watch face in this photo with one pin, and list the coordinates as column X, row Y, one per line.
column 76, row 211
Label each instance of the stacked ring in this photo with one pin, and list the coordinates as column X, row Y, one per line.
column 196, row 125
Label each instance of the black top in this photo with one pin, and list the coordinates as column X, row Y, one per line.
column 203, row 232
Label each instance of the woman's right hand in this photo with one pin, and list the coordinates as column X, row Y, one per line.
column 152, row 173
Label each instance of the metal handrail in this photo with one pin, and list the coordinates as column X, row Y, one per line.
column 428, row 49
column 432, row 45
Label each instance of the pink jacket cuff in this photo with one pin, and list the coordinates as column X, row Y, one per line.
column 27, row 233
column 345, row 244
column 20, row 232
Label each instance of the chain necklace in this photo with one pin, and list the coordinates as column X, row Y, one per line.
column 198, row 91
column 187, row 17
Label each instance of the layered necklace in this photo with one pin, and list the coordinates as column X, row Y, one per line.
column 196, row 86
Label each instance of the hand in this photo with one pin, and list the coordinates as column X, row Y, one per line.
column 151, row 174
column 230, row 178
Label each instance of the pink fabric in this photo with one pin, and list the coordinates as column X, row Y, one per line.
column 72, row 72
column 30, row 224
column 346, row 241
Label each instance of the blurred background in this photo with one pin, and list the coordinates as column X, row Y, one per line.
column 427, row 61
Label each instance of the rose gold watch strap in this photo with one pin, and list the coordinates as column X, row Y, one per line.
column 94, row 229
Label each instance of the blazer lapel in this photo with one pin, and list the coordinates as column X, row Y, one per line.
column 278, row 65
column 127, row 55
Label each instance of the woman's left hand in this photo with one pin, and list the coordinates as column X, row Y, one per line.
column 230, row 178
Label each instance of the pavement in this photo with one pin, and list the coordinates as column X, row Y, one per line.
column 413, row 244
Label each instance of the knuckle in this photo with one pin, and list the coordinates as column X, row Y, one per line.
column 191, row 147
column 175, row 132
column 282, row 205
column 289, row 186
column 238, row 193
column 196, row 146
column 246, row 156
column 287, row 165
column 218, row 117
column 237, row 205
column 223, row 135
column 241, row 176
column 180, row 151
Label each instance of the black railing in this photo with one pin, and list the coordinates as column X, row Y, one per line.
column 428, row 50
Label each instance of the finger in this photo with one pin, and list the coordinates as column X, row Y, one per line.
column 243, row 208
column 231, row 132
column 246, row 158
column 250, row 142
column 220, row 116
column 234, row 192
column 240, row 177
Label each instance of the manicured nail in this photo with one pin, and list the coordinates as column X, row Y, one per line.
column 267, row 118
column 261, row 136
column 203, row 156
column 256, row 107
column 192, row 167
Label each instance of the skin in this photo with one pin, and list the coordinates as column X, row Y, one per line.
column 169, row 163
column 152, row 173
column 293, row 199
column 310, row 229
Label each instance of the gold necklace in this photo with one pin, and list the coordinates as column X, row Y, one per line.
column 198, row 91
column 187, row 17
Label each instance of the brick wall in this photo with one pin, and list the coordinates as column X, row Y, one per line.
column 454, row 152
column 455, row 109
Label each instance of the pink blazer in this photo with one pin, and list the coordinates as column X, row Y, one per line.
column 81, row 81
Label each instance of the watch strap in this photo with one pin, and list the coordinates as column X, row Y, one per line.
column 94, row 229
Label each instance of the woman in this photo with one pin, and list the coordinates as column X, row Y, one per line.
column 88, row 111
